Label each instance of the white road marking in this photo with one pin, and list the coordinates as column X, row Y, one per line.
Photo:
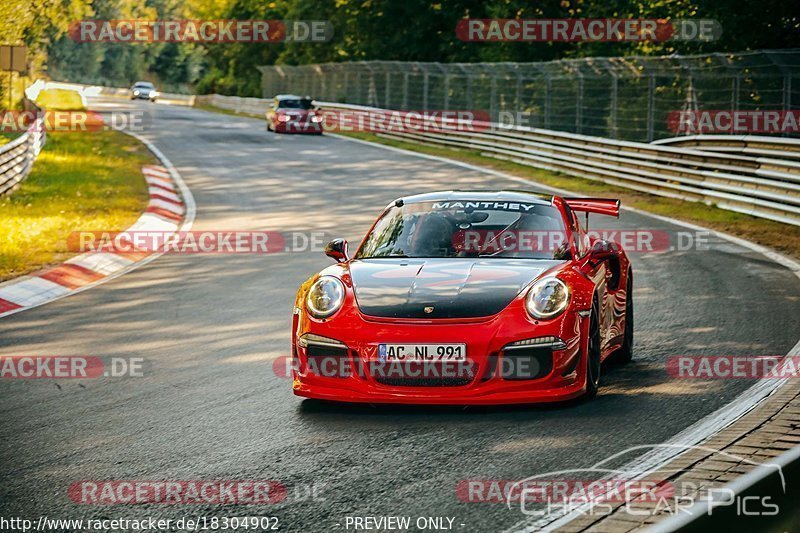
column 169, row 206
column 165, row 194
column 159, row 181
column 152, row 222
column 31, row 290
column 102, row 262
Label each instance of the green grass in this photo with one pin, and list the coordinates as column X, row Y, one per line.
column 60, row 99
column 81, row 181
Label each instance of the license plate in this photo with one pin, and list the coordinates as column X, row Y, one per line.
column 422, row 352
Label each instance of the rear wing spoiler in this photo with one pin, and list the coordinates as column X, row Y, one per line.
column 600, row 206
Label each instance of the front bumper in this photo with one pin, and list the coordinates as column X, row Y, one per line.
column 298, row 126
column 485, row 384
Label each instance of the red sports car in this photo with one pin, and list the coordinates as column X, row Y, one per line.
column 462, row 297
column 293, row 114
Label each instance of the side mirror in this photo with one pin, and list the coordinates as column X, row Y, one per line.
column 337, row 249
column 602, row 251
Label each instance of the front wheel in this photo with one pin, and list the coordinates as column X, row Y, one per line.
column 593, row 365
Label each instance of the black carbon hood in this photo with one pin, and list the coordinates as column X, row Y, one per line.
column 453, row 288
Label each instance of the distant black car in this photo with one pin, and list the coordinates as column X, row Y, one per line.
column 144, row 90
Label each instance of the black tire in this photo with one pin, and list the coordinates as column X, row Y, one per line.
column 593, row 365
column 625, row 352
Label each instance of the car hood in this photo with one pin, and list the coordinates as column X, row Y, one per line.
column 453, row 288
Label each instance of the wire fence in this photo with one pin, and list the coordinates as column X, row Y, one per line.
column 628, row 98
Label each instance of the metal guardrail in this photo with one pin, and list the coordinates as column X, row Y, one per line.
column 751, row 145
column 766, row 187
column 18, row 156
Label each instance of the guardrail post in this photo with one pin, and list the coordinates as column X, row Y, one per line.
column 405, row 91
column 579, row 105
column 787, row 91
column 388, row 89
column 470, row 100
column 651, row 90
column 425, row 91
column 372, row 91
column 547, row 102
column 447, row 92
column 321, row 78
column 613, row 132
column 493, row 98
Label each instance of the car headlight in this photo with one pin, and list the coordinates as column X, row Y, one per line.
column 136, row 93
column 325, row 297
column 547, row 298
column 283, row 118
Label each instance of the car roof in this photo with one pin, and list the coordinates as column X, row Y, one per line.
column 477, row 195
column 143, row 83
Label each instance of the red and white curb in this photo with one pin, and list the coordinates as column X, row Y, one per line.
column 171, row 209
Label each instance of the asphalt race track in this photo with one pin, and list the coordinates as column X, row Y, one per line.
column 210, row 327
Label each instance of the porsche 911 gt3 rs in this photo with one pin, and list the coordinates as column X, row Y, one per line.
column 462, row 297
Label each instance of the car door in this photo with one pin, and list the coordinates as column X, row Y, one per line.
column 600, row 273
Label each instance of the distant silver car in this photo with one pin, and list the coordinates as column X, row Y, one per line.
column 144, row 90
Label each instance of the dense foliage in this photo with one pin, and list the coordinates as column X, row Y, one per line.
column 365, row 29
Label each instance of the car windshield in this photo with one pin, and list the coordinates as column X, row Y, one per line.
column 465, row 228
column 295, row 104
column 143, row 85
